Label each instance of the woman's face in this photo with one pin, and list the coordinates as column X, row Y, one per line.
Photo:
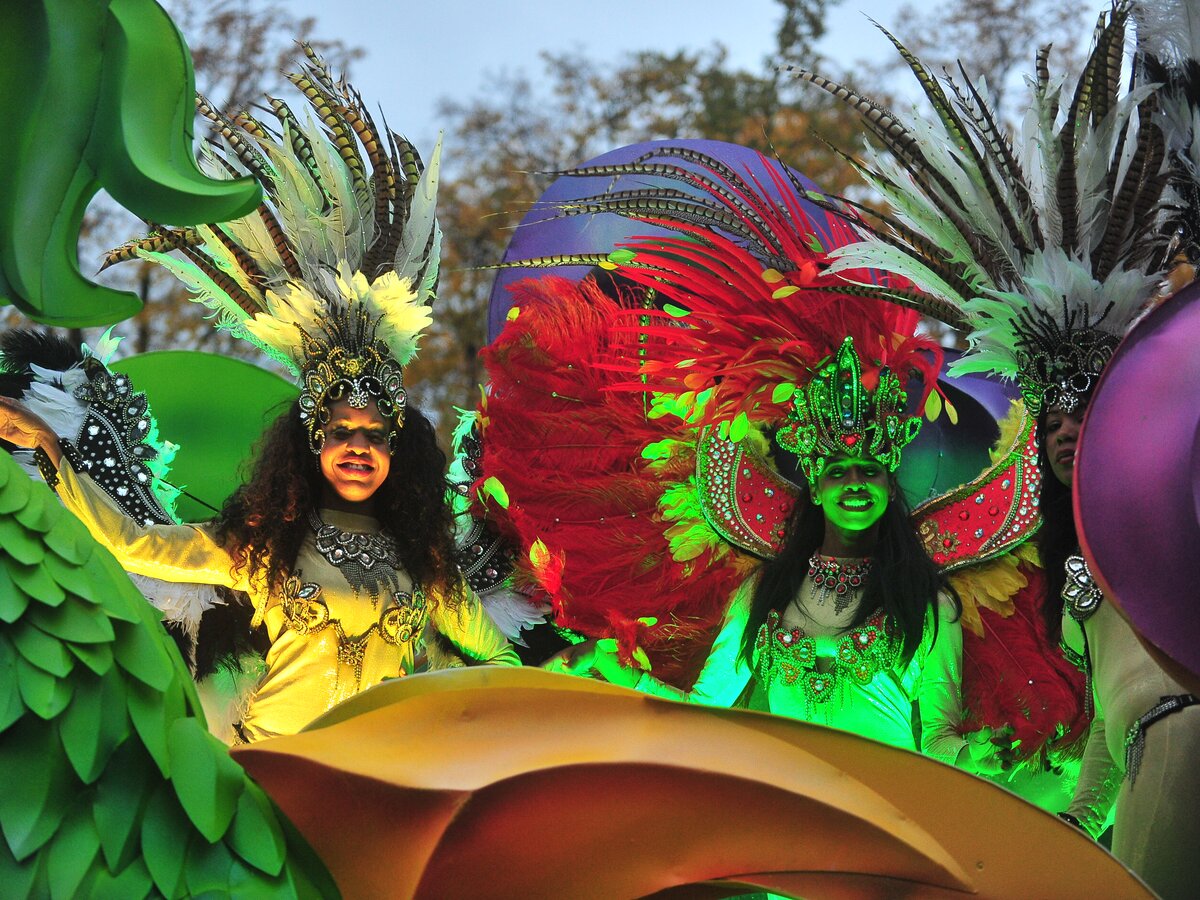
column 1061, row 434
column 355, row 458
column 853, row 492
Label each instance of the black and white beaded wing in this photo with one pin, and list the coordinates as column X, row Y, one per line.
column 114, row 444
column 483, row 553
column 107, row 431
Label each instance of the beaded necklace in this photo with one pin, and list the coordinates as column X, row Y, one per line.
column 834, row 576
column 366, row 560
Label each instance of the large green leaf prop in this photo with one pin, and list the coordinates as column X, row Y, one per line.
column 214, row 408
column 112, row 785
column 93, row 93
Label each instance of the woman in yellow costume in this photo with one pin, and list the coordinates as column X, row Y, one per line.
column 341, row 537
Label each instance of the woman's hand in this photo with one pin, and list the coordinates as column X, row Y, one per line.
column 991, row 751
column 574, row 660
column 593, row 655
column 21, row 427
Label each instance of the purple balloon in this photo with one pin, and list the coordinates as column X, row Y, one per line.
column 546, row 232
column 1137, row 478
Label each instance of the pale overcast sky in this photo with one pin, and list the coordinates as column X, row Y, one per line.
column 418, row 52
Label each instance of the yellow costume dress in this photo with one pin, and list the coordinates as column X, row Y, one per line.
column 345, row 621
column 854, row 680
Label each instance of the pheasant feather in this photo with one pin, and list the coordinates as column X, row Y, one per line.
column 1031, row 250
column 336, row 263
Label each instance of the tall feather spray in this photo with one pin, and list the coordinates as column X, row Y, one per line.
column 1169, row 53
column 345, row 224
column 1025, row 249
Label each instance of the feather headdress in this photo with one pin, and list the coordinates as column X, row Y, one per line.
column 334, row 274
column 744, row 268
column 1046, row 253
column 1168, row 37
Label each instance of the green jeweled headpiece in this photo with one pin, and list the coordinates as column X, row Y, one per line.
column 836, row 414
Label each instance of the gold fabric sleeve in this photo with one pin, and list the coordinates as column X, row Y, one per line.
column 473, row 632
column 178, row 553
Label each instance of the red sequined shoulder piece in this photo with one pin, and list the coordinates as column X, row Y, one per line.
column 989, row 516
column 743, row 498
column 748, row 503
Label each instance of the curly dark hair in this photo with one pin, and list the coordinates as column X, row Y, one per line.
column 265, row 522
column 905, row 583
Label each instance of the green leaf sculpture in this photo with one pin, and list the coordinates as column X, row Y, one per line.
column 93, row 93
column 112, row 784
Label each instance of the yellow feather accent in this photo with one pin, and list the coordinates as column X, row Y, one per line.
column 286, row 311
column 990, row 585
column 1010, row 427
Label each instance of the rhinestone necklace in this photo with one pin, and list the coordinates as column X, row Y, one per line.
column 832, row 576
column 365, row 560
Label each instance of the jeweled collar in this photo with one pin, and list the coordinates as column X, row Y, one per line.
column 366, row 558
column 838, row 577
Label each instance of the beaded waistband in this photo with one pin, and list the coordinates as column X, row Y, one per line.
column 1135, row 738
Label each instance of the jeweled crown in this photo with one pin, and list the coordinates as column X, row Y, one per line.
column 836, row 414
column 1059, row 362
column 348, row 362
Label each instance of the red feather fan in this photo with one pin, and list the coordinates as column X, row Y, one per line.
column 568, row 417
column 568, row 451
column 752, row 328
column 1015, row 675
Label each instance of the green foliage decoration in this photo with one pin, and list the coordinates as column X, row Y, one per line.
column 113, row 785
column 93, row 93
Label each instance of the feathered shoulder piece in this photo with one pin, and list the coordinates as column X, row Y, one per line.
column 1046, row 253
column 334, row 273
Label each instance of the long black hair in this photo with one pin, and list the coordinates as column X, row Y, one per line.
column 265, row 522
column 904, row 582
column 1057, row 538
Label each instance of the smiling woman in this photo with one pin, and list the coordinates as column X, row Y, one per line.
column 341, row 535
column 355, row 458
column 850, row 624
column 854, row 493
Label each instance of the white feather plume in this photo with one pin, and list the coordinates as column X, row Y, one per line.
column 991, row 235
column 411, row 258
column 330, row 219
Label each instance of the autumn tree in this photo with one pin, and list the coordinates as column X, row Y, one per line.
column 500, row 144
column 996, row 39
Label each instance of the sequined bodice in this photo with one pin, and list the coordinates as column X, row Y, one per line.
column 816, row 664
